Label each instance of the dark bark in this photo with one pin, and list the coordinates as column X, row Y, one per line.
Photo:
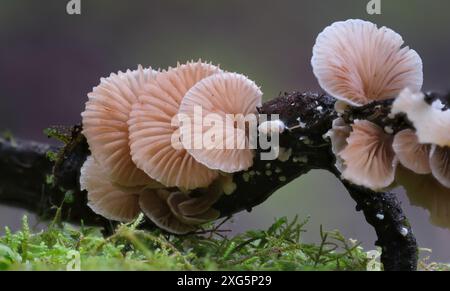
column 24, row 168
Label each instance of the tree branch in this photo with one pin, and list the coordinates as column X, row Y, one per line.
column 25, row 168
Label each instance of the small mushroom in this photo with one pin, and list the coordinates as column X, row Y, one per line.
column 411, row 153
column 175, row 212
column 105, row 124
column 168, row 210
column 154, row 137
column 358, row 62
column 368, row 157
column 338, row 134
column 106, row 198
column 432, row 124
column 440, row 164
column 230, row 101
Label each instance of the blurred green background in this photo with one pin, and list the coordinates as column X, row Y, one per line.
column 49, row 61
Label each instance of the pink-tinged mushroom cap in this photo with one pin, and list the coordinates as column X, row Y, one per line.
column 178, row 198
column 163, row 208
column 440, row 164
column 202, row 203
column 368, row 157
column 431, row 123
column 154, row 138
column 155, row 207
column 357, row 62
column 104, row 197
column 229, row 101
column 105, row 124
column 411, row 153
column 338, row 134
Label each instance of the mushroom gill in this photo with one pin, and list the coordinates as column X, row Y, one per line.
column 105, row 124
column 411, row 153
column 358, row 62
column 228, row 104
column 154, row 133
column 368, row 157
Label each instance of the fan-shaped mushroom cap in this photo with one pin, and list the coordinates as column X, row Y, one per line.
column 105, row 124
column 338, row 134
column 163, row 208
column 155, row 207
column 202, row 203
column 411, row 153
column 369, row 158
column 221, row 96
column 357, row 62
column 104, row 197
column 178, row 198
column 440, row 164
column 152, row 131
column 432, row 124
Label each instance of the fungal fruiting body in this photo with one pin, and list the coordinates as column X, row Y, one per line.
column 432, row 124
column 105, row 124
column 424, row 150
column 228, row 103
column 411, row 153
column 358, row 62
column 151, row 129
column 368, row 157
column 139, row 162
column 338, row 134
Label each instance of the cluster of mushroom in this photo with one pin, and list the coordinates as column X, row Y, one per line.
column 138, row 161
column 359, row 63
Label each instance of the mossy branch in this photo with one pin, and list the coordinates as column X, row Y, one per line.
column 25, row 170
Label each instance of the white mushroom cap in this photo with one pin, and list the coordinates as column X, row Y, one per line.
column 338, row 134
column 105, row 124
column 440, row 164
column 357, row 62
column 369, row 158
column 218, row 96
column 411, row 153
column 104, row 197
column 152, row 131
column 432, row 124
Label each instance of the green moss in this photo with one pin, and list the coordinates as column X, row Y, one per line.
column 277, row 248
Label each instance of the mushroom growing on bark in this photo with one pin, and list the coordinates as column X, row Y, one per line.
column 368, row 157
column 173, row 211
column 432, row 124
column 106, row 198
column 105, row 124
column 154, row 134
column 411, row 153
column 440, row 164
column 228, row 102
column 358, row 62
